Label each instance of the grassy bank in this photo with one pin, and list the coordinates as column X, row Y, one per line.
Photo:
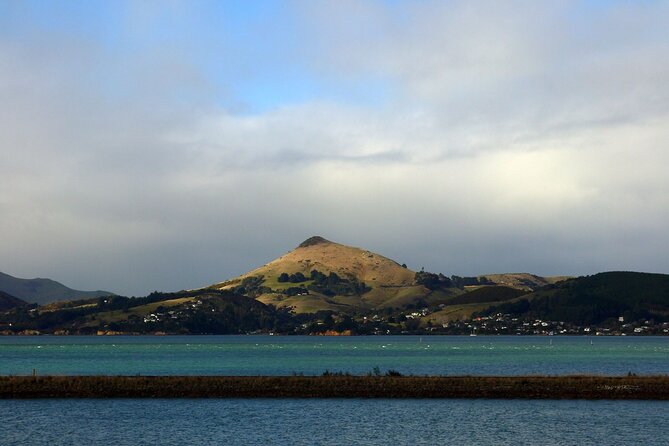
column 531, row 387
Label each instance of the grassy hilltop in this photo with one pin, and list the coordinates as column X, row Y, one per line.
column 375, row 281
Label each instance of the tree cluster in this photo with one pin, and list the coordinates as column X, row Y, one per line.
column 252, row 286
column 333, row 285
column 298, row 277
column 432, row 281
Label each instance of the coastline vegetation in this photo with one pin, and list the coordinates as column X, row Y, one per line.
column 337, row 385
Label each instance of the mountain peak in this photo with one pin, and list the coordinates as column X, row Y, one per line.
column 355, row 278
column 315, row 240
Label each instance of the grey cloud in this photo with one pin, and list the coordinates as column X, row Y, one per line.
column 506, row 69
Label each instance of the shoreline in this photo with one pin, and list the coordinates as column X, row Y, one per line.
column 468, row 387
column 35, row 333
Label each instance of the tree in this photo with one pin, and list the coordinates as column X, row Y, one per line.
column 297, row 277
column 432, row 281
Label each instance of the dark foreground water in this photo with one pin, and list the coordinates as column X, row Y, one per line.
column 285, row 355
column 325, row 422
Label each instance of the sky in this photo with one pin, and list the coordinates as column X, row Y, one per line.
column 168, row 145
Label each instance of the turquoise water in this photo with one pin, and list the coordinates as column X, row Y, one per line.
column 285, row 355
column 330, row 422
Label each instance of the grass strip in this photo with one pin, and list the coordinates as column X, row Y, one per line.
column 507, row 387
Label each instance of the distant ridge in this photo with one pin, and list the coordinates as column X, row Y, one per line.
column 523, row 281
column 594, row 299
column 43, row 291
column 7, row 302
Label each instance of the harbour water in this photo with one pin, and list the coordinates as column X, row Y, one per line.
column 309, row 355
column 332, row 422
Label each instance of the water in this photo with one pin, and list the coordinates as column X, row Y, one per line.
column 285, row 355
column 326, row 422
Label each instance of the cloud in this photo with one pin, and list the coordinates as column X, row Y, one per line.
column 529, row 137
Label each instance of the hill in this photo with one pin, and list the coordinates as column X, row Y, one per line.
column 487, row 294
column 43, row 291
column 567, row 307
column 595, row 299
column 317, row 253
column 7, row 302
column 326, row 287
column 523, row 281
column 323, row 275
column 186, row 312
